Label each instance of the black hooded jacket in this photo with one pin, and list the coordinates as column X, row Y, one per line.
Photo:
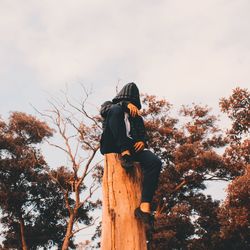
column 128, row 94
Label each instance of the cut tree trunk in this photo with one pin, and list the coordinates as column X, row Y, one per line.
column 121, row 195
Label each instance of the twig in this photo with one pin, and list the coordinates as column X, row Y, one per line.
column 80, row 229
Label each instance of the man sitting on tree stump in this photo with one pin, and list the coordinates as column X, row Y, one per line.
column 124, row 133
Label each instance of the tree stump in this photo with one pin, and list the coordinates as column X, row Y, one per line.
column 121, row 195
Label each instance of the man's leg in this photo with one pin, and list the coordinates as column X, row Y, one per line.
column 151, row 167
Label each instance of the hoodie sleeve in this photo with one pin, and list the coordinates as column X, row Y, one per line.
column 139, row 129
column 105, row 107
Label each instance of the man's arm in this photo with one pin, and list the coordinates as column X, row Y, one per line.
column 140, row 134
column 140, row 129
column 129, row 108
column 105, row 107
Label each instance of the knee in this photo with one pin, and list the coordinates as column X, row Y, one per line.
column 116, row 110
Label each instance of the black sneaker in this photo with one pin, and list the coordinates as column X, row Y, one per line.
column 127, row 162
column 145, row 217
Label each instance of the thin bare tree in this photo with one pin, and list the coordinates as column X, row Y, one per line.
column 79, row 132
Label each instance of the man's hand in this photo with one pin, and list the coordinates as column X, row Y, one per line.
column 139, row 146
column 133, row 110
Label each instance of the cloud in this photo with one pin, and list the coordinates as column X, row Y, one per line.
column 184, row 50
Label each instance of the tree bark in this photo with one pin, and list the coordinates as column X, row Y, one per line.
column 24, row 244
column 68, row 234
column 121, row 195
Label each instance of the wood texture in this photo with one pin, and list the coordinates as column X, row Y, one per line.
column 121, row 195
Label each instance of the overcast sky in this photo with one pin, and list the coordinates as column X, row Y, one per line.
column 183, row 50
column 186, row 51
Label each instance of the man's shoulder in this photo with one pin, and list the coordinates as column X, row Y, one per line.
column 105, row 107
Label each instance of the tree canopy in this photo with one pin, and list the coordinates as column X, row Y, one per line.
column 43, row 206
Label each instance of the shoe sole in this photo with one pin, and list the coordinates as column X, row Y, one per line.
column 140, row 216
column 149, row 222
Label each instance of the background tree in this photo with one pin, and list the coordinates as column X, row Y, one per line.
column 80, row 178
column 237, row 108
column 185, row 217
column 234, row 214
column 43, row 207
column 29, row 201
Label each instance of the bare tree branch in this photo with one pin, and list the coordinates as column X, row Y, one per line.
column 87, row 166
column 80, row 229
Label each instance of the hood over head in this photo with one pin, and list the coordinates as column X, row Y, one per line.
column 129, row 92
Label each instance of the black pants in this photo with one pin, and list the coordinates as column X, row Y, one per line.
column 150, row 163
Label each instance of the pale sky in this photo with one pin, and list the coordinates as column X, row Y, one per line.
column 185, row 51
